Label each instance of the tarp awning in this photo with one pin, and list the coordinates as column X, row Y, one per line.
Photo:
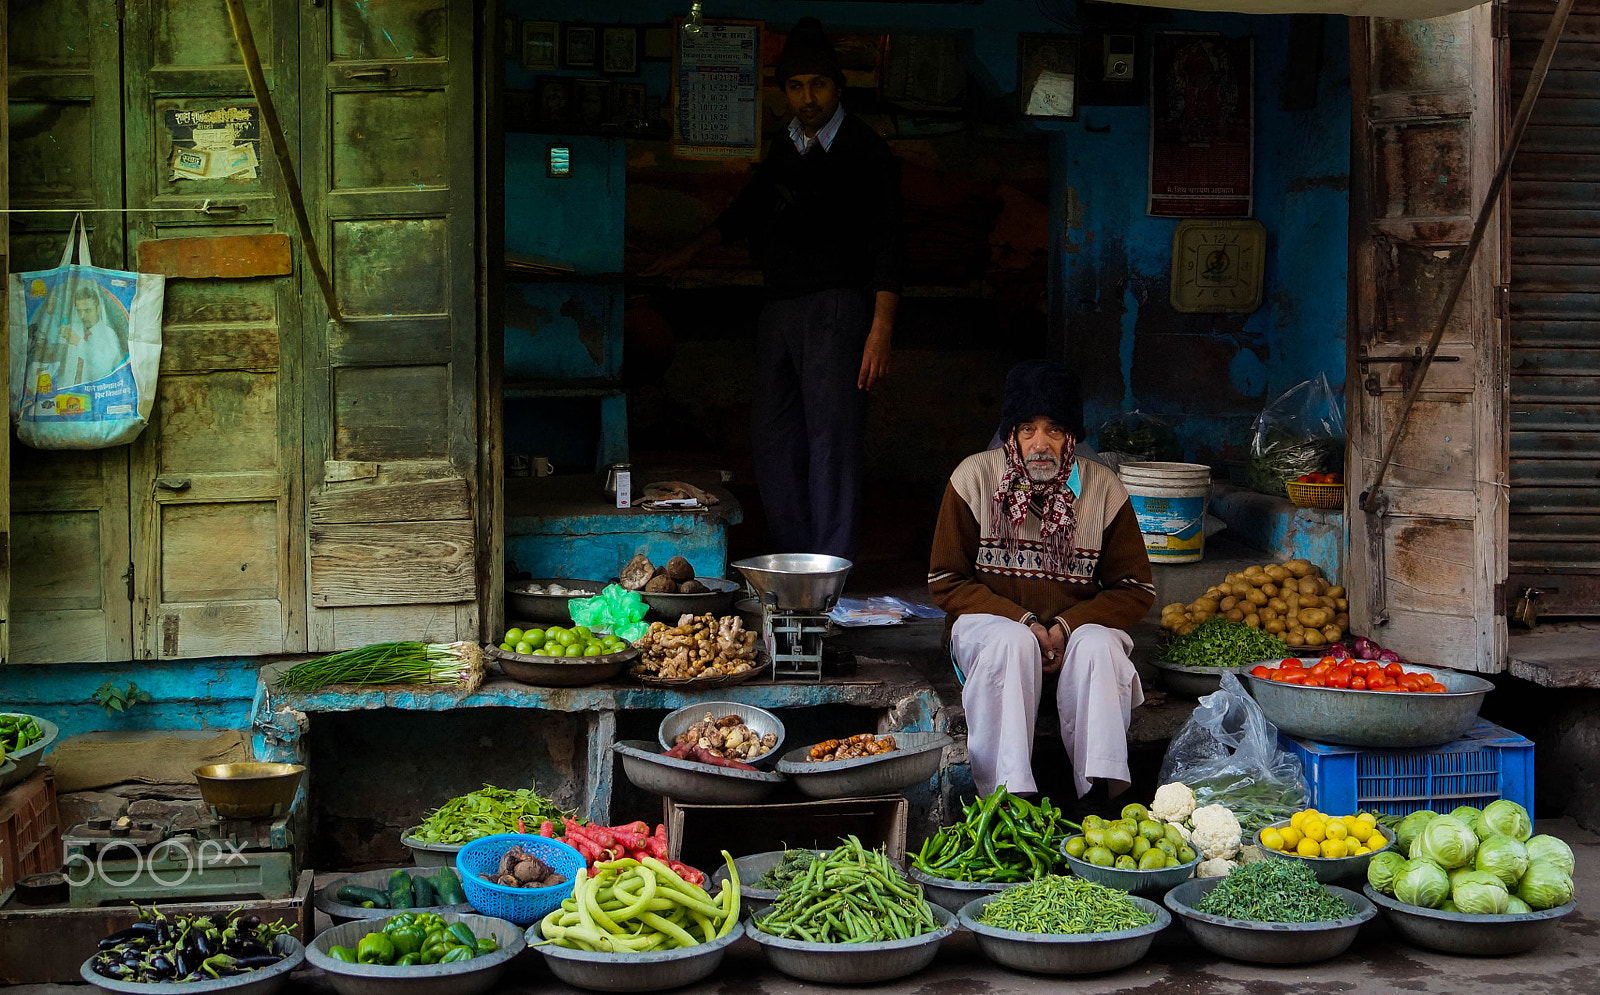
column 1400, row 9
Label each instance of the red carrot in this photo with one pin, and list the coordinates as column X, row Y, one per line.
column 547, row 829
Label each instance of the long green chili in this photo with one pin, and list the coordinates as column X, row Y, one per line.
column 850, row 895
column 1000, row 838
column 1057, row 904
column 1273, row 891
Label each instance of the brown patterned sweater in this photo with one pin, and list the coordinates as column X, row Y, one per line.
column 1107, row 580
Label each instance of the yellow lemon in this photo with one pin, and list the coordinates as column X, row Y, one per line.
column 1360, row 831
column 1298, row 819
column 1333, row 848
column 1358, row 850
column 1335, row 830
column 1369, row 818
column 1291, row 837
column 1271, row 839
column 1315, row 829
column 1307, row 848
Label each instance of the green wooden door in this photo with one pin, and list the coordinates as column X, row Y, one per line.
column 216, row 531
column 69, row 510
column 391, row 439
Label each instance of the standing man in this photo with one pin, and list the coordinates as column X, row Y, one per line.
column 822, row 215
column 1039, row 564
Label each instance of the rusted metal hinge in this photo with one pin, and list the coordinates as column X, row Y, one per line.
column 1502, row 302
column 128, row 577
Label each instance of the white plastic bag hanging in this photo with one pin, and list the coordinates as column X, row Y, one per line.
column 85, row 351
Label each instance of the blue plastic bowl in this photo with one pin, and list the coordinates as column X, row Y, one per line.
column 523, row 906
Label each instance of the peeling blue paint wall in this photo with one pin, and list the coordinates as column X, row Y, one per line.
column 185, row 694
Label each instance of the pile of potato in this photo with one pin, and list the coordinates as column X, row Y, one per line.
column 1290, row 600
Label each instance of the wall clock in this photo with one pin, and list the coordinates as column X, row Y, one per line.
column 1217, row 266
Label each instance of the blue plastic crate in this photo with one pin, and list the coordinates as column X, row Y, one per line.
column 1488, row 763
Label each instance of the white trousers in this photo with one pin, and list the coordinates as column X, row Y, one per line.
column 1097, row 692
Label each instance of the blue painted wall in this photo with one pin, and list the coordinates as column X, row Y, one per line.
column 185, row 694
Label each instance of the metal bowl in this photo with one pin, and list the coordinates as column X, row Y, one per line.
column 687, row 781
column 42, row 889
column 249, row 790
column 1463, row 933
column 1064, row 953
column 915, row 759
column 717, row 601
column 260, row 982
column 1134, row 882
column 852, row 963
column 468, row 977
column 804, row 582
column 561, row 671
column 327, row 901
column 547, row 607
column 652, row 971
column 23, row 762
column 1192, row 682
column 1331, row 869
column 751, row 869
column 948, row 893
column 1268, row 942
column 430, row 854
column 1372, row 718
column 758, row 719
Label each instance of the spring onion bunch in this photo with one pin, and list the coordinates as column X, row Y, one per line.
column 458, row 663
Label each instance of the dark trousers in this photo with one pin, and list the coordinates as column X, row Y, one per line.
column 807, row 418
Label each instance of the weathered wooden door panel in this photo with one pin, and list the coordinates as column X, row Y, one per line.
column 69, row 510
column 218, row 528
column 387, row 95
column 1424, row 567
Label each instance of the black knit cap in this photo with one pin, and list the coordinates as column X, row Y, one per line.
column 1037, row 387
column 807, row 51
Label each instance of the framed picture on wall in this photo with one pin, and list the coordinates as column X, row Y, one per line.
column 554, row 101
column 540, row 42
column 1047, row 75
column 581, row 42
column 590, row 103
column 619, row 51
column 627, row 104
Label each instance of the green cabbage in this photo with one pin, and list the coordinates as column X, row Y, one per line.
column 1545, row 886
column 1448, row 906
column 1508, row 818
column 1411, row 827
column 1381, row 870
column 1516, row 906
column 1503, row 857
column 1448, row 842
column 1422, row 882
column 1479, row 893
column 1466, row 813
column 1550, row 850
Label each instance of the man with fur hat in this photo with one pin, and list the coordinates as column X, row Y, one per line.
column 1039, row 565
column 822, row 215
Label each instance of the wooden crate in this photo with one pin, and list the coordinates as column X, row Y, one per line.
column 696, row 834
column 48, row 943
column 30, row 828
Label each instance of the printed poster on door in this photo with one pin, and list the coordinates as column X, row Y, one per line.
column 216, row 144
column 1202, row 126
column 717, row 87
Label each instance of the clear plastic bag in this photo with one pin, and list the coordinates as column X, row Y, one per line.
column 1228, row 753
column 1134, row 436
column 1301, row 431
column 616, row 610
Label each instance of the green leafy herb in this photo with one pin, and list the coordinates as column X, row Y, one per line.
column 114, row 699
column 1056, row 904
column 458, row 663
column 485, row 812
column 1273, row 891
column 794, row 864
column 1217, row 642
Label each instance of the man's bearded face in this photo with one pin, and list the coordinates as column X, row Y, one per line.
column 1041, row 441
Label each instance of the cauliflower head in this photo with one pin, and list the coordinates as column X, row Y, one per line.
column 1216, row 832
column 1217, row 867
column 1173, row 802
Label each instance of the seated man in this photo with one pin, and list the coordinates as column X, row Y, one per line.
column 1039, row 565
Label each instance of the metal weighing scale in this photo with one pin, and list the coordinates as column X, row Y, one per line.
column 115, row 862
column 796, row 590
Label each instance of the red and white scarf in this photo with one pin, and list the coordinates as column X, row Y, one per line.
column 1058, row 521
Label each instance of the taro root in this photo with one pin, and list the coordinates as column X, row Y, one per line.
column 679, row 569
column 532, row 869
column 693, row 587
column 661, row 585
column 637, row 573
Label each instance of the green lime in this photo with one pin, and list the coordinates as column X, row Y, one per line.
column 1126, row 863
column 525, row 648
column 1167, row 847
column 1141, row 846
column 1136, row 812
column 1075, row 847
column 594, row 649
column 1173, row 836
column 514, row 636
column 572, row 649
column 565, row 637
column 507, row 648
column 1185, row 854
column 1093, row 822
column 1119, row 841
column 1095, row 836
column 535, row 637
column 1152, row 830
column 1153, row 860
column 1099, row 856
column 583, row 631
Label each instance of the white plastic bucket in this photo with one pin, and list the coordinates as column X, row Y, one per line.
column 1170, row 500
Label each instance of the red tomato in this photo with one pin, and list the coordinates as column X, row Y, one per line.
column 1358, row 684
column 1295, row 677
column 1261, row 670
column 1323, row 666
column 1330, row 661
column 1435, row 688
column 1378, row 679
column 1338, row 678
column 1394, row 670
column 1316, row 681
column 1290, row 662
column 1361, row 668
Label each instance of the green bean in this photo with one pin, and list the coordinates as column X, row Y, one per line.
column 1057, row 904
column 851, row 895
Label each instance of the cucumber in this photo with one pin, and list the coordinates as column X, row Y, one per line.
column 448, row 887
column 425, row 896
column 355, row 894
column 401, row 894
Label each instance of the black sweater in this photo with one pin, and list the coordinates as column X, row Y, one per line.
column 829, row 219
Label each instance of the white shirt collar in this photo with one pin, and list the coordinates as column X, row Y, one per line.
column 824, row 134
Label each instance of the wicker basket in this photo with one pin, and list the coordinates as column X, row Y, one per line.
column 1315, row 495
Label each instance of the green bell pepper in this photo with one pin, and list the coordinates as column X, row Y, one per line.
column 407, row 939
column 399, row 921
column 487, row 944
column 409, row 960
column 346, row 955
column 428, row 921
column 434, row 951
column 376, row 948
column 464, row 935
column 457, row 954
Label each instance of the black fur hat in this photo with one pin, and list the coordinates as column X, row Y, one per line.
column 1037, row 387
column 808, row 51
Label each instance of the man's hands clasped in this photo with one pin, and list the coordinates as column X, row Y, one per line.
column 1052, row 645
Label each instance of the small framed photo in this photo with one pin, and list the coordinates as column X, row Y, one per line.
column 554, row 98
column 627, row 105
column 619, row 51
column 581, row 42
column 1047, row 75
column 591, row 100
column 540, row 42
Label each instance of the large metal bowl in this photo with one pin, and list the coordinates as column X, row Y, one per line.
column 23, row 762
column 547, row 607
column 852, row 963
column 430, row 854
column 1064, row 953
column 561, row 671
column 467, row 977
column 1268, row 942
column 915, row 759
column 802, row 582
column 948, row 893
column 1192, row 682
column 752, row 869
column 264, row 981
column 1463, row 933
column 1372, row 718
column 669, row 607
column 1331, row 869
column 653, row 971
column 687, row 781
column 758, row 719
column 327, row 900
column 249, row 790
column 1135, row 882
